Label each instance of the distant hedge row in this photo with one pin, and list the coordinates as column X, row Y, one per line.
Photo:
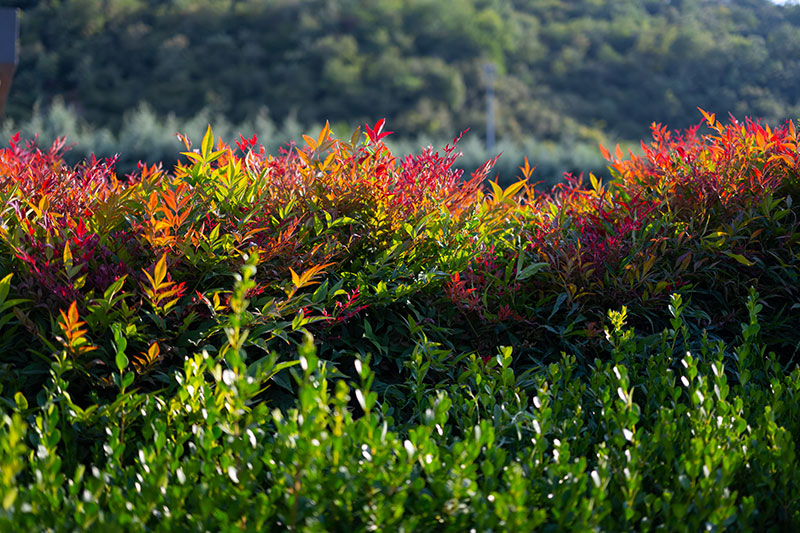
column 147, row 137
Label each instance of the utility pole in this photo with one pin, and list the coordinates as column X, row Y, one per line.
column 489, row 70
column 9, row 57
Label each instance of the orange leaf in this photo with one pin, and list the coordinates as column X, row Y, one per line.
column 153, row 352
column 152, row 202
column 169, row 199
column 304, row 157
column 144, row 361
column 310, row 141
column 307, row 276
column 527, row 170
column 328, row 160
column 162, row 225
column 710, row 117
column 323, row 135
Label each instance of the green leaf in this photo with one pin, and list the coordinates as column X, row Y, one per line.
column 121, row 360
column 560, row 300
column 740, row 258
column 530, row 270
column 21, row 401
column 283, row 382
column 5, row 285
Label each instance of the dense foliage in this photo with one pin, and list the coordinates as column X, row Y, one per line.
column 337, row 338
column 567, row 69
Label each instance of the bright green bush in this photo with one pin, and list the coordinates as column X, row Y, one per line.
column 656, row 436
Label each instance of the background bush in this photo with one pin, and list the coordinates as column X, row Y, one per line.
column 147, row 137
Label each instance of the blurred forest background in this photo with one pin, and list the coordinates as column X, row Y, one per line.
column 126, row 75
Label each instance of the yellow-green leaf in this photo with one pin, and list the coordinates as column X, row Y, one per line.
column 740, row 258
column 513, row 189
column 197, row 158
column 208, row 142
column 5, row 285
column 21, row 401
column 497, row 191
column 68, row 261
column 161, row 270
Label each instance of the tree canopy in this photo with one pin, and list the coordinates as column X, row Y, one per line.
column 565, row 68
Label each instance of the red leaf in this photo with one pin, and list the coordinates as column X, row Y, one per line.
column 244, row 144
column 376, row 133
column 80, row 229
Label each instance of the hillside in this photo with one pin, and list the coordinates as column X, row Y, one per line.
column 566, row 69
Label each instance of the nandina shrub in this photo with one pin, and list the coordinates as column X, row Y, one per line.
column 353, row 244
column 337, row 227
column 708, row 214
column 726, row 197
